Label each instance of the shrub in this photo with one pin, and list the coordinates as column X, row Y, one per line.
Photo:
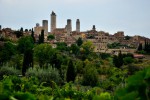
column 128, row 60
column 5, row 70
column 90, row 75
column 45, row 75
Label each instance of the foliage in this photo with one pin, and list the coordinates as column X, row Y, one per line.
column 75, row 49
column 79, row 41
column 102, row 96
column 43, row 53
column 62, row 46
column 6, row 70
column 71, row 72
column 16, row 61
column 86, row 49
column 25, row 46
column 41, row 37
column 137, row 87
column 44, row 75
column 104, row 55
column 27, row 61
column 90, row 75
column 32, row 35
column 128, row 60
column 140, row 47
column 25, row 43
column 50, row 37
column 18, row 34
column 127, row 37
column 6, row 52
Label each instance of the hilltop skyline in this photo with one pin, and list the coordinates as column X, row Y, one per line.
column 111, row 16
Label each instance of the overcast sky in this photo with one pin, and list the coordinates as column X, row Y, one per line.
column 130, row 16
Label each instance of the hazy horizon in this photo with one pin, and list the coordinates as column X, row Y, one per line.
column 111, row 16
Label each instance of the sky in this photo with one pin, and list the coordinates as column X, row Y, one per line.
column 130, row 16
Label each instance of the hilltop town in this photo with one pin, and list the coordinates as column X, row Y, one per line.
column 63, row 64
column 102, row 41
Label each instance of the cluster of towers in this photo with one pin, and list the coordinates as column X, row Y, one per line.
column 68, row 26
column 53, row 26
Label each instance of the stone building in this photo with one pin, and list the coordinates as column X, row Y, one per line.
column 45, row 26
column 53, row 22
column 119, row 35
column 38, row 29
column 69, row 26
column 101, row 41
column 78, row 26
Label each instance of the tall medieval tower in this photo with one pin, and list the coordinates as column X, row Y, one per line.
column 45, row 26
column 78, row 26
column 69, row 26
column 53, row 22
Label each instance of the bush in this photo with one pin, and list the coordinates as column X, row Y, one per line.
column 90, row 76
column 128, row 60
column 45, row 75
column 24, row 96
column 5, row 70
column 102, row 96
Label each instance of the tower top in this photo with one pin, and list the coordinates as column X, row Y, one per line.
column 94, row 28
column 78, row 20
column 53, row 13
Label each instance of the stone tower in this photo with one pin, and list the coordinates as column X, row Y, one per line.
column 94, row 28
column 53, row 22
column 69, row 26
column 78, row 26
column 45, row 26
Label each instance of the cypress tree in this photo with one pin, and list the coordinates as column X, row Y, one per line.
column 27, row 61
column 71, row 72
column 140, row 47
column 42, row 36
column 120, row 59
column 32, row 35
column 79, row 41
column 145, row 46
column 115, row 61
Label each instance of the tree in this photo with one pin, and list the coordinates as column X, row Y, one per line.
column 127, row 37
column 79, row 41
column 21, row 29
column 71, row 74
column 86, row 49
column 26, row 30
column 25, row 46
column 140, row 47
column 25, row 43
column 90, row 75
column 6, row 52
column 127, row 60
column 137, row 87
column 75, row 49
column 50, row 37
column 41, row 37
column 32, row 35
column 43, row 52
column 18, row 34
column 115, row 61
column 27, row 60
column 120, row 59
column 62, row 46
